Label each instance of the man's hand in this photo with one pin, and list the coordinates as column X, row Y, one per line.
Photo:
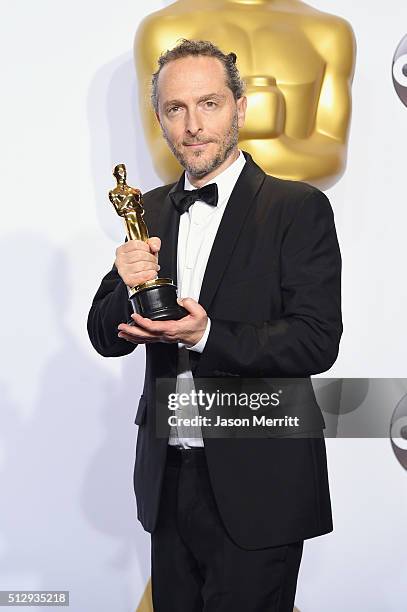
column 188, row 330
column 137, row 261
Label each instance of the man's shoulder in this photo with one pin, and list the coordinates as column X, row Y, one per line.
column 295, row 196
column 297, row 190
column 285, row 190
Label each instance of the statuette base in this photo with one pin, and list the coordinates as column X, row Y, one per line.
column 157, row 301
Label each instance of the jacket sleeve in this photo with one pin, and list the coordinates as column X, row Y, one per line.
column 305, row 339
column 110, row 307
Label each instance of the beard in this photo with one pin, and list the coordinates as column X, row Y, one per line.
column 198, row 166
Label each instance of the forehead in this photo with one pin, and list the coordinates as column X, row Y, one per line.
column 191, row 76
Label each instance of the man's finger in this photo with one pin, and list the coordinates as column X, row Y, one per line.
column 135, row 331
column 133, row 245
column 157, row 327
column 127, row 337
column 136, row 340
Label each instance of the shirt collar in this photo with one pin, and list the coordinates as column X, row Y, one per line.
column 225, row 181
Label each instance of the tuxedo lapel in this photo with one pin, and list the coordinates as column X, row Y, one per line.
column 232, row 223
column 165, row 225
column 167, row 230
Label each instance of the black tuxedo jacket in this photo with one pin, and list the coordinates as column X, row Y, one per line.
column 272, row 291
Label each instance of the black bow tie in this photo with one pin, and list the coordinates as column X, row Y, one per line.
column 183, row 199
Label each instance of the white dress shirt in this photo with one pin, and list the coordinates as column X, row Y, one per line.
column 197, row 230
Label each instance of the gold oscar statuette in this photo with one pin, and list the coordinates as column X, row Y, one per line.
column 156, row 298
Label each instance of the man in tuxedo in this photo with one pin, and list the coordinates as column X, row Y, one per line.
column 258, row 266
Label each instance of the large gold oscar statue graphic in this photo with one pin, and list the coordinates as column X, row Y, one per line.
column 298, row 65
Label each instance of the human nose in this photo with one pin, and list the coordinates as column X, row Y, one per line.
column 192, row 123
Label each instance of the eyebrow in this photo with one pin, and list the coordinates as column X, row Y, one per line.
column 204, row 98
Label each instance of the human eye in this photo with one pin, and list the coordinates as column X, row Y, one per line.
column 173, row 110
column 210, row 104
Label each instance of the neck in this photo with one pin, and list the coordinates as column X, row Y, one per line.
column 199, row 182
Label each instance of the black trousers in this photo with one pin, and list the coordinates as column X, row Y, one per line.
column 196, row 567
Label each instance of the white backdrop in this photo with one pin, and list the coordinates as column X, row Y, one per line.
column 67, row 438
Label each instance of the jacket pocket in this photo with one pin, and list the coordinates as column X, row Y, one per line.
column 141, row 411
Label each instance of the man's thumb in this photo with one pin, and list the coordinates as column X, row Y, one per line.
column 187, row 303
column 154, row 243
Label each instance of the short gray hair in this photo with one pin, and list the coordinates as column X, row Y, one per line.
column 187, row 48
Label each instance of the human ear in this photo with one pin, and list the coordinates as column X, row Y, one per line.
column 241, row 104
